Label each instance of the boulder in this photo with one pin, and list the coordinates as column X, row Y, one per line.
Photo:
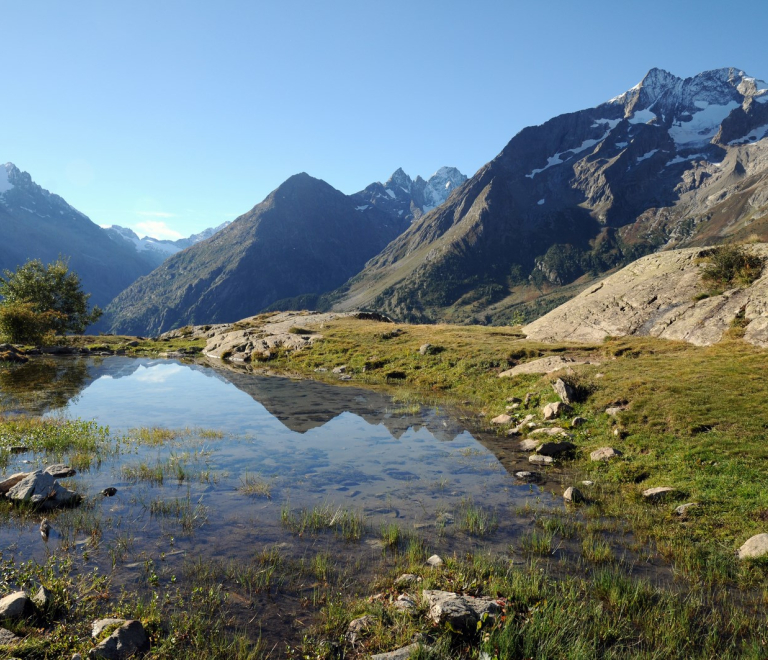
column 538, row 459
column 60, row 471
column 555, row 449
column 543, row 365
column 429, row 349
column 10, row 482
column 435, row 561
column 566, row 393
column 578, row 421
column 755, row 546
column 659, row 494
column 41, row 489
column 400, row 654
column 127, row 641
column 604, row 454
column 554, row 410
column 501, row 419
column 43, row 598
column 100, row 625
column 340, row 370
column 528, row 445
column 460, row 612
column 16, row 606
column 574, row 495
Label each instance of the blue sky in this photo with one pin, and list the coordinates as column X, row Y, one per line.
column 170, row 116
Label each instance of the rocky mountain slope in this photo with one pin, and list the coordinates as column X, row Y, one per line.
column 671, row 162
column 661, row 295
column 304, row 238
column 36, row 224
column 407, row 199
column 157, row 250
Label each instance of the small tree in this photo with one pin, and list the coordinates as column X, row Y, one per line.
column 40, row 300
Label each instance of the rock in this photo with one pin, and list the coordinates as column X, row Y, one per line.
column 555, row 449
column 587, row 483
column 554, row 410
column 16, row 606
column 604, row 454
column 99, row 625
column 514, row 399
column 357, row 627
column 43, row 598
column 659, row 494
column 77, row 656
column 406, row 579
column 528, row 445
column 460, row 612
column 340, row 370
column 125, row 642
column 683, row 509
column 41, row 489
column 501, row 419
column 614, row 410
column 654, row 296
column 435, row 561
column 428, row 349
column 551, row 431
column 109, row 492
column 7, row 638
column 566, row 393
column 528, row 398
column 405, row 602
column 538, row 459
column 755, row 546
column 574, row 495
column 400, row 654
column 10, row 482
column 9, row 353
column 528, row 477
column 60, row 471
column 578, row 421
column 543, row 365
column 512, row 406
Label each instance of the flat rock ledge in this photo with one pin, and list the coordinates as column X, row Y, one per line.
column 460, row 612
column 545, row 365
column 754, row 547
column 258, row 337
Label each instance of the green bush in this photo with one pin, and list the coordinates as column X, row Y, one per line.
column 21, row 323
column 730, row 265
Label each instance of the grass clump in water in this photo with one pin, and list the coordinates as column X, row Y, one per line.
column 255, row 486
column 474, row 519
column 348, row 524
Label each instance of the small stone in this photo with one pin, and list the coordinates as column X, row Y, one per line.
column 538, row 459
column 555, row 449
column 528, row 445
column 604, row 454
column 427, row 349
column 586, row 482
column 340, row 370
column 554, row 410
column 435, row 561
column 400, row 654
column 614, row 410
column 512, row 406
column 406, row 579
column 683, row 509
column 566, row 393
column 405, row 602
column 659, row 494
column 574, row 495
column 7, row 638
column 528, row 398
column 16, row 605
column 60, row 471
column 755, row 546
column 357, row 627
column 551, row 431
column 127, row 641
column 109, row 492
column 528, row 477
column 43, row 598
column 578, row 421
column 501, row 419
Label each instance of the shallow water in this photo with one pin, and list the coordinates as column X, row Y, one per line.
column 314, row 444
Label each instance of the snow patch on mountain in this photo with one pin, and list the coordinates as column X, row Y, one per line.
column 440, row 186
column 703, row 125
column 753, row 136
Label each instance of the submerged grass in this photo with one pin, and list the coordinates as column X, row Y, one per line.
column 348, row 524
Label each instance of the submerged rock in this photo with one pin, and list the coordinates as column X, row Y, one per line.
column 538, row 459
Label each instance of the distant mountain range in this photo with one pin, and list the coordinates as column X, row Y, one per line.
column 158, row 250
column 35, row 224
column 671, row 162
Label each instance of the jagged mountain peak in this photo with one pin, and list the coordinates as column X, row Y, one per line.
column 399, row 179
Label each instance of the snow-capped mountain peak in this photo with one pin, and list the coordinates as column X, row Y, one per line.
column 5, row 182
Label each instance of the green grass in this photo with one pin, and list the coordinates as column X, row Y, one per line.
column 255, row 486
column 348, row 524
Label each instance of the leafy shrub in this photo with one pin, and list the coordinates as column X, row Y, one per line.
column 21, row 323
column 730, row 265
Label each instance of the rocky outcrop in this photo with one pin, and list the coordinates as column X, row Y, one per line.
column 259, row 337
column 543, row 365
column 659, row 296
column 460, row 612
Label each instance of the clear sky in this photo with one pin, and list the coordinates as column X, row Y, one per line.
column 170, row 116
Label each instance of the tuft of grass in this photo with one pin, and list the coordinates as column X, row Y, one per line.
column 537, row 543
column 730, row 265
column 474, row 519
column 348, row 524
column 255, row 486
